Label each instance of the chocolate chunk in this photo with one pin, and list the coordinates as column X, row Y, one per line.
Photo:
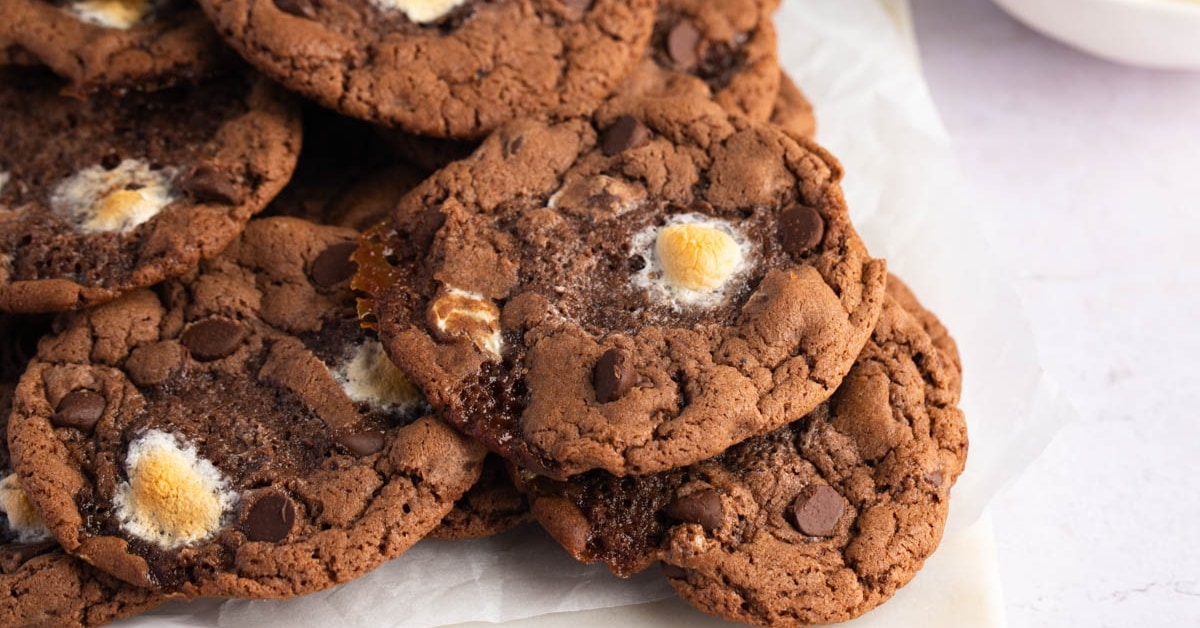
column 299, row 8
column 817, row 510
column 333, row 265
column 362, row 443
column 512, row 147
column 613, row 376
column 935, row 478
column 13, row 555
column 80, row 410
column 627, row 132
column 673, row 571
column 702, row 507
column 800, row 229
column 682, row 44
column 213, row 339
column 269, row 518
column 206, row 184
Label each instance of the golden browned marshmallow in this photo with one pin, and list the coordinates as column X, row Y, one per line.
column 698, row 257
column 421, row 11
column 122, row 14
column 173, row 496
column 371, row 377
column 22, row 518
column 461, row 313
column 99, row 199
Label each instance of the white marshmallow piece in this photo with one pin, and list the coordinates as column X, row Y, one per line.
column 369, row 376
column 23, row 520
column 421, row 11
column 117, row 200
column 118, row 14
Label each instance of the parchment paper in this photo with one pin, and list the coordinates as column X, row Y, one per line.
column 906, row 199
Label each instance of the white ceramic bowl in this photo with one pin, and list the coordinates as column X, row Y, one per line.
column 1150, row 33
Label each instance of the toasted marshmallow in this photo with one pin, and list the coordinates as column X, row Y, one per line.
column 173, row 496
column 23, row 520
column 120, row 14
column 462, row 313
column 421, row 11
column 693, row 260
column 100, row 200
column 369, row 376
column 3, row 180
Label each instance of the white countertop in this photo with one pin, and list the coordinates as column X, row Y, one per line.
column 1086, row 181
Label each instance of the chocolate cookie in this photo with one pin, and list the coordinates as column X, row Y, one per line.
column 815, row 523
column 632, row 294
column 725, row 49
column 492, row 506
column 793, row 113
column 45, row 586
column 446, row 68
column 112, row 44
column 235, row 432
column 102, row 196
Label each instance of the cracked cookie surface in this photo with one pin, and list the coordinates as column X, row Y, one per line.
column 632, row 293
column 112, row 193
column 450, row 70
column 235, row 432
column 815, row 523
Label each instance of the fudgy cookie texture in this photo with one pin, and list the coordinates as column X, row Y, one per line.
column 112, row 44
column 446, row 68
column 45, row 586
column 817, row 522
column 719, row 49
column 112, row 193
column 235, row 432
column 347, row 175
column 793, row 113
column 492, row 506
column 632, row 293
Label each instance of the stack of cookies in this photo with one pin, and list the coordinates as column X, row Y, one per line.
column 288, row 285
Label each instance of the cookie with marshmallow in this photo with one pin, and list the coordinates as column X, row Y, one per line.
column 104, row 195
column 631, row 292
column 442, row 68
column 106, row 45
column 235, row 432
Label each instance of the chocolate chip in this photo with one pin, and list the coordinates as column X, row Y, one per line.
column 299, row 8
column 80, row 410
column 627, row 132
column 613, row 376
column 206, row 184
column 579, row 6
column 673, row 571
column 682, row 44
column 702, row 507
column 362, row 443
column 13, row 555
column 800, row 229
column 333, row 265
column 817, row 510
column 514, row 146
column 935, row 478
column 270, row 518
column 110, row 161
column 213, row 339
